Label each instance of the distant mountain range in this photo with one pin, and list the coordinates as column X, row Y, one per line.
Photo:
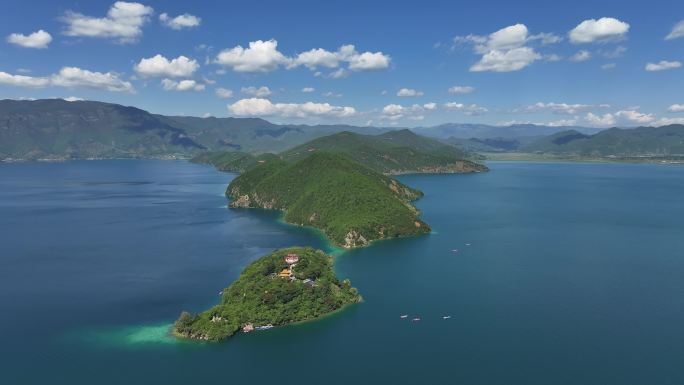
column 483, row 131
column 58, row 129
column 615, row 142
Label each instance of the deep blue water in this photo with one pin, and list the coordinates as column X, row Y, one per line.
column 574, row 275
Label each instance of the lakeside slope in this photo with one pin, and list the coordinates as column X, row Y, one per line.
column 352, row 204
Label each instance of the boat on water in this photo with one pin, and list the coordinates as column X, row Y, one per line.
column 417, row 319
column 264, row 327
column 403, row 316
column 446, row 317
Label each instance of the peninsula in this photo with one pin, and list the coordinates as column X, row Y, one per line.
column 351, row 203
column 391, row 153
column 289, row 285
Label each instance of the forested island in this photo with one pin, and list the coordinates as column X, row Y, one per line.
column 352, row 204
column 289, row 285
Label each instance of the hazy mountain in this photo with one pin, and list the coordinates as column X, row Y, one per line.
column 477, row 145
column 483, row 131
column 642, row 141
column 254, row 135
column 56, row 128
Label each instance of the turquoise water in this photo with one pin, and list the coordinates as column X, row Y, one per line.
column 565, row 274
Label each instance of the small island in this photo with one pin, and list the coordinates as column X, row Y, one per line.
column 287, row 286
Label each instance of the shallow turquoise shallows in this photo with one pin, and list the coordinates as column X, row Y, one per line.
column 550, row 274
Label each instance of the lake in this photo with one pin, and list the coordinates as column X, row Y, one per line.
column 563, row 274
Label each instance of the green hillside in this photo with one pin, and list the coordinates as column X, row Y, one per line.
column 662, row 141
column 57, row 129
column 260, row 297
column 352, row 204
column 394, row 152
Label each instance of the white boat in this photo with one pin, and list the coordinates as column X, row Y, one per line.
column 446, row 317
column 265, row 327
column 404, row 316
column 415, row 319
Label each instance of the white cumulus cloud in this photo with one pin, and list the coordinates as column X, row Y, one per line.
column 71, row 77
column 23, row 80
column 676, row 108
column 369, row 61
column 161, row 66
column 468, row 109
column 458, row 90
column 408, row 92
column 318, row 57
column 183, row 85
column 179, row 22
column 123, row 22
column 395, row 112
column 600, row 120
column 663, row 65
column 308, row 89
column 513, row 36
column 601, row 30
column 224, row 93
column 635, row 116
column 264, row 107
column 79, row 78
column 581, row 56
column 668, row 121
column 39, row 39
column 260, row 56
column 506, row 61
column 263, row 56
column 677, row 31
column 257, row 92
column 622, row 117
column 560, row 108
column 507, row 49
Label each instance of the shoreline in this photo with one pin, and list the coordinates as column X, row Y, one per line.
column 331, row 245
column 489, row 157
column 172, row 331
column 547, row 158
column 356, row 298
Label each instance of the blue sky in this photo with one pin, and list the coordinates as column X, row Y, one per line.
column 566, row 63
